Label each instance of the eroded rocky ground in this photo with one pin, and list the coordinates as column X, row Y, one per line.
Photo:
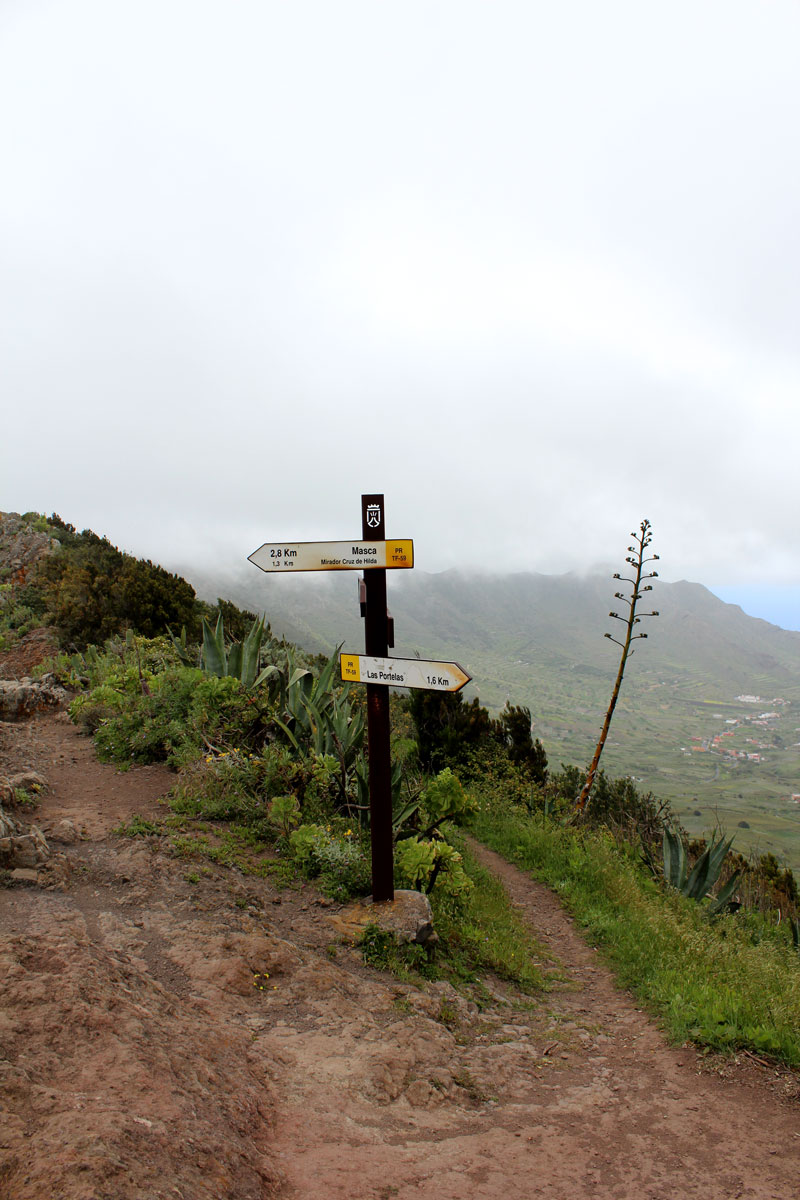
column 176, row 1030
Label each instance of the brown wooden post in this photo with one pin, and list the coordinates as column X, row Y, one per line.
column 373, row 528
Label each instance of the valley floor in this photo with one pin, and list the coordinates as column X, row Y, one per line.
column 170, row 1030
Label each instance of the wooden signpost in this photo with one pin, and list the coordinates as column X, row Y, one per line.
column 374, row 555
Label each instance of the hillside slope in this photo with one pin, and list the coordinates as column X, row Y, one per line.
column 533, row 639
column 538, row 640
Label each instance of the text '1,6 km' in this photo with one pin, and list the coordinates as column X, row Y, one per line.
column 403, row 672
column 333, row 556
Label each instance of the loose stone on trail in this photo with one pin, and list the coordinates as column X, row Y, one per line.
column 408, row 917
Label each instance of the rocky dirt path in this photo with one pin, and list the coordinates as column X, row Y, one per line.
column 170, row 1029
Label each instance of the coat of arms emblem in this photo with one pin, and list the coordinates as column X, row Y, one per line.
column 373, row 516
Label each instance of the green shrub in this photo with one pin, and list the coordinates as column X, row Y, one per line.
column 514, row 731
column 448, row 727
column 149, row 727
column 345, row 870
column 425, row 864
column 489, row 772
column 380, row 949
column 444, row 799
column 224, row 788
column 303, row 843
column 21, row 610
column 440, row 799
column 126, row 664
column 282, row 772
column 90, row 709
column 237, row 785
column 284, row 813
column 92, row 590
column 181, row 714
column 338, row 861
column 414, row 862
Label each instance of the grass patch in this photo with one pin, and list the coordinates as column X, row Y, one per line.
column 728, row 984
column 235, row 846
column 408, row 962
column 479, row 934
column 25, row 799
column 138, row 827
column 484, row 933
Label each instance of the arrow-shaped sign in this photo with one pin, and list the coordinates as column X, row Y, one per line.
column 403, row 672
column 333, row 556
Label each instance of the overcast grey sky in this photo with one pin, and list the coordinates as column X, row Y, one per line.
column 532, row 270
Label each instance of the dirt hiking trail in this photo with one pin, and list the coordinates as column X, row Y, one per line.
column 170, row 1030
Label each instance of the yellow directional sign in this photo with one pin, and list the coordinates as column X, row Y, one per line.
column 403, row 672
column 333, row 556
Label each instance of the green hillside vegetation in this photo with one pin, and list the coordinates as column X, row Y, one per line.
column 89, row 590
column 269, row 753
column 538, row 640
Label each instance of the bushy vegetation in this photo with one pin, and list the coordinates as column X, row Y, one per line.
column 91, row 590
column 278, row 748
column 452, row 732
column 478, row 930
column 21, row 610
column 88, row 590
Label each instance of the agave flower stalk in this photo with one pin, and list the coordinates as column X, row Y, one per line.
column 637, row 560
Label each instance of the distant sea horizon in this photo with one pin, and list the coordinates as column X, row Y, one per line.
column 780, row 605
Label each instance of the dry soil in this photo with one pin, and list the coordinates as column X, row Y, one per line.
column 176, row 1030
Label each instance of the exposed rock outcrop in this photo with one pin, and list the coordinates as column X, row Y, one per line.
column 19, row 848
column 21, row 698
column 21, row 546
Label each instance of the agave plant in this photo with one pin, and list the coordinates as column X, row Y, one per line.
column 401, row 813
column 697, row 883
column 309, row 707
column 242, row 659
column 314, row 715
column 182, row 648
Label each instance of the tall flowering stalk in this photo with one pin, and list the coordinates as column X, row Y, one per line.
column 637, row 560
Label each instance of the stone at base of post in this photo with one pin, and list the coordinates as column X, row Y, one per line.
column 408, row 917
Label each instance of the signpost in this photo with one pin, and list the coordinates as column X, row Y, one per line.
column 403, row 672
column 376, row 638
column 333, row 556
column 373, row 555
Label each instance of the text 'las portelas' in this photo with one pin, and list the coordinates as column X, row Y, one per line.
column 334, row 556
